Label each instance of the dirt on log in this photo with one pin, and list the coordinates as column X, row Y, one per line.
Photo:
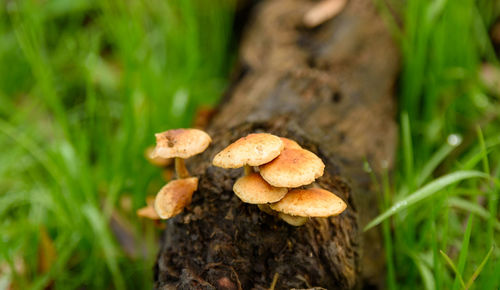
column 329, row 88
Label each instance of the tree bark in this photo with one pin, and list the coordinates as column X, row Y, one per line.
column 329, row 88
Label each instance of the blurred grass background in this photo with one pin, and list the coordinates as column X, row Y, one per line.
column 85, row 84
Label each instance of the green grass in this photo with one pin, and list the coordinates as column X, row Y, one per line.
column 440, row 216
column 83, row 87
column 85, row 84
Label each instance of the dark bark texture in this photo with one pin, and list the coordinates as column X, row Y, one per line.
column 329, row 88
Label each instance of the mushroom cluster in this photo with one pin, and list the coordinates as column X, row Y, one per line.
column 277, row 176
column 276, row 170
column 179, row 144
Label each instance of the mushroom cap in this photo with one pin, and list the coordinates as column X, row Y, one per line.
column 148, row 212
column 313, row 202
column 175, row 196
column 290, row 144
column 157, row 160
column 293, row 168
column 293, row 220
column 182, row 143
column 253, row 150
column 253, row 189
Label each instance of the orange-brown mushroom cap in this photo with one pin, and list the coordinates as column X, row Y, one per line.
column 175, row 196
column 157, row 160
column 313, row 202
column 293, row 168
column 148, row 212
column 253, row 189
column 182, row 143
column 253, row 150
column 290, row 144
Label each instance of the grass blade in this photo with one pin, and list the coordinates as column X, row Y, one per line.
column 452, row 266
column 464, row 252
column 425, row 273
column 493, row 197
column 407, row 150
column 479, row 269
column 465, row 205
column 435, row 160
column 484, row 152
column 104, row 239
column 426, row 191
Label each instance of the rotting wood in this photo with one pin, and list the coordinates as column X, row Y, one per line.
column 330, row 89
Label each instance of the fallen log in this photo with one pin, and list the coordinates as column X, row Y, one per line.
column 329, row 88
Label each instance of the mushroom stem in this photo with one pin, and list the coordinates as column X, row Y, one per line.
column 248, row 169
column 180, row 168
column 315, row 185
column 265, row 208
column 296, row 221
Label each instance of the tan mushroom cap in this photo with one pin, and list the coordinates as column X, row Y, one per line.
column 293, row 220
column 148, row 212
column 255, row 190
column 175, row 196
column 290, row 144
column 157, row 160
column 182, row 143
column 313, row 202
column 293, row 168
column 253, row 150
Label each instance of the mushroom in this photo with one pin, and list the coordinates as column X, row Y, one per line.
column 298, row 204
column 323, row 11
column 296, row 221
column 180, row 144
column 157, row 160
column 292, row 168
column 148, row 211
column 255, row 190
column 253, row 150
column 175, row 196
column 290, row 144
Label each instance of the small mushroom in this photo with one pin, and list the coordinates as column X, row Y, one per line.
column 157, row 160
column 253, row 150
column 175, row 196
column 180, row 144
column 296, row 221
column 148, row 212
column 290, row 144
column 303, row 203
column 323, row 11
column 255, row 190
column 292, row 168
